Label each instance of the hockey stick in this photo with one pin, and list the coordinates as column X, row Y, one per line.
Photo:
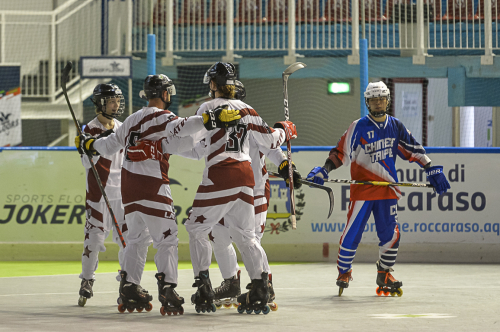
column 381, row 183
column 289, row 71
column 64, row 80
column 318, row 186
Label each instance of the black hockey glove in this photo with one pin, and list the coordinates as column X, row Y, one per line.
column 283, row 172
column 84, row 145
column 221, row 117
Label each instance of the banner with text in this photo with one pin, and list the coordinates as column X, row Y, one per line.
column 43, row 200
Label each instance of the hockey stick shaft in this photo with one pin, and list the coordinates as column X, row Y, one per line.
column 381, row 183
column 289, row 155
column 64, row 79
column 289, row 71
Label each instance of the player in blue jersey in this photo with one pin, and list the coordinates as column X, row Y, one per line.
column 369, row 147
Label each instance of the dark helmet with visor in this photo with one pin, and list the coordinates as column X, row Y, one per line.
column 223, row 73
column 154, row 85
column 241, row 93
column 102, row 94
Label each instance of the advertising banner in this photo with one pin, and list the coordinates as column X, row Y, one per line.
column 43, row 200
column 10, row 105
column 106, row 67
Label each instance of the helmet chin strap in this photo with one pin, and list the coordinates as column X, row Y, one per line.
column 166, row 103
column 377, row 114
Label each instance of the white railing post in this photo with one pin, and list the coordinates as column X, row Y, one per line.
column 229, row 32
column 419, row 58
column 52, row 61
column 291, row 57
column 2, row 37
column 129, row 26
column 353, row 59
column 487, row 58
column 168, row 60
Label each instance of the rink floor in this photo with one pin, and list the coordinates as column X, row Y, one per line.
column 437, row 297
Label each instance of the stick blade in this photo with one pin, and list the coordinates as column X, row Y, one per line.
column 293, row 68
column 65, row 73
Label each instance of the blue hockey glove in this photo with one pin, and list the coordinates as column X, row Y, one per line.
column 318, row 175
column 437, row 178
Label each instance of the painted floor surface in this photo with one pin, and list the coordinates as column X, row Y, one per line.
column 436, row 298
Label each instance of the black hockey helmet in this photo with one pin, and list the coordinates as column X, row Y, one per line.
column 223, row 73
column 241, row 93
column 154, row 85
column 102, row 93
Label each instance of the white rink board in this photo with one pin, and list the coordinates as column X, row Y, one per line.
column 466, row 214
column 42, row 200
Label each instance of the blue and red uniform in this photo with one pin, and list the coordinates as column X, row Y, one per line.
column 370, row 149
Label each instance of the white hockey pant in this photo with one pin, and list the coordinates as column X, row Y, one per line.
column 239, row 216
column 97, row 228
column 143, row 230
column 224, row 250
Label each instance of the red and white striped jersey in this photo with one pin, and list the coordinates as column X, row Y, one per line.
column 258, row 155
column 227, row 151
column 147, row 181
column 108, row 167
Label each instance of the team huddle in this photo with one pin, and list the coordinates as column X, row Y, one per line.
column 231, row 202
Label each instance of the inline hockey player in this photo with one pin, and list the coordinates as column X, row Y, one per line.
column 369, row 147
column 226, row 191
column 226, row 294
column 146, row 194
column 109, row 105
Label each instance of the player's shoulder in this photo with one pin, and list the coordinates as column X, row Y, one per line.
column 244, row 108
column 118, row 123
column 94, row 127
column 395, row 122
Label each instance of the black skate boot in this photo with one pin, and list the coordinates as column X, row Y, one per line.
column 228, row 291
column 170, row 300
column 133, row 296
column 387, row 283
column 343, row 281
column 272, row 296
column 85, row 291
column 257, row 298
column 203, row 299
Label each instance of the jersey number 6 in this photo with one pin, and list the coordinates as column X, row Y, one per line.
column 236, row 138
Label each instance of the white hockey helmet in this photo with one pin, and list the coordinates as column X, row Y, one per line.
column 377, row 90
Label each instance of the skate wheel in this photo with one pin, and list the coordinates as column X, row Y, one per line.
column 169, row 313
column 140, row 309
column 249, row 311
column 149, row 307
column 266, row 310
column 197, row 310
column 341, row 290
column 378, row 291
column 122, row 307
column 203, row 310
column 181, row 311
column 240, row 309
column 257, row 311
column 227, row 306
column 400, row 292
column 131, row 310
column 82, row 300
column 214, row 309
column 119, row 300
column 386, row 293
column 218, row 306
column 236, row 305
column 273, row 306
column 162, row 311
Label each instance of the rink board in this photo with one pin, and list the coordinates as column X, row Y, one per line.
column 42, row 201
